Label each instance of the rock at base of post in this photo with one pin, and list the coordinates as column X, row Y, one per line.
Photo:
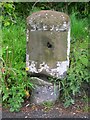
column 44, row 93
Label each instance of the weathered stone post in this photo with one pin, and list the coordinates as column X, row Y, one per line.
column 48, row 47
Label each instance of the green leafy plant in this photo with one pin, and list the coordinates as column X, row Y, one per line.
column 7, row 13
column 16, row 85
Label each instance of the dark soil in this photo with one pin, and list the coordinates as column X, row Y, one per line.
column 77, row 110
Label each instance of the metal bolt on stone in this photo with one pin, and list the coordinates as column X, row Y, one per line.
column 48, row 47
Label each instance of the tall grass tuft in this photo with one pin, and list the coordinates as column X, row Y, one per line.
column 14, row 44
column 78, row 27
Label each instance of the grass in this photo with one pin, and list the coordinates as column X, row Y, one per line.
column 14, row 45
column 79, row 27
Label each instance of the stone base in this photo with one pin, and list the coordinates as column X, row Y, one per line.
column 42, row 94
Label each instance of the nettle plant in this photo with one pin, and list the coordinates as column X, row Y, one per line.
column 78, row 71
column 15, row 87
column 77, row 74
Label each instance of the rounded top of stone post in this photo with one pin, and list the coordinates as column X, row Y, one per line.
column 48, row 17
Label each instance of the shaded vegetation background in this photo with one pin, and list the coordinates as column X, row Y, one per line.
column 16, row 85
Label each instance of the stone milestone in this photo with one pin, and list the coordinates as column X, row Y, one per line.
column 48, row 43
column 48, row 47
